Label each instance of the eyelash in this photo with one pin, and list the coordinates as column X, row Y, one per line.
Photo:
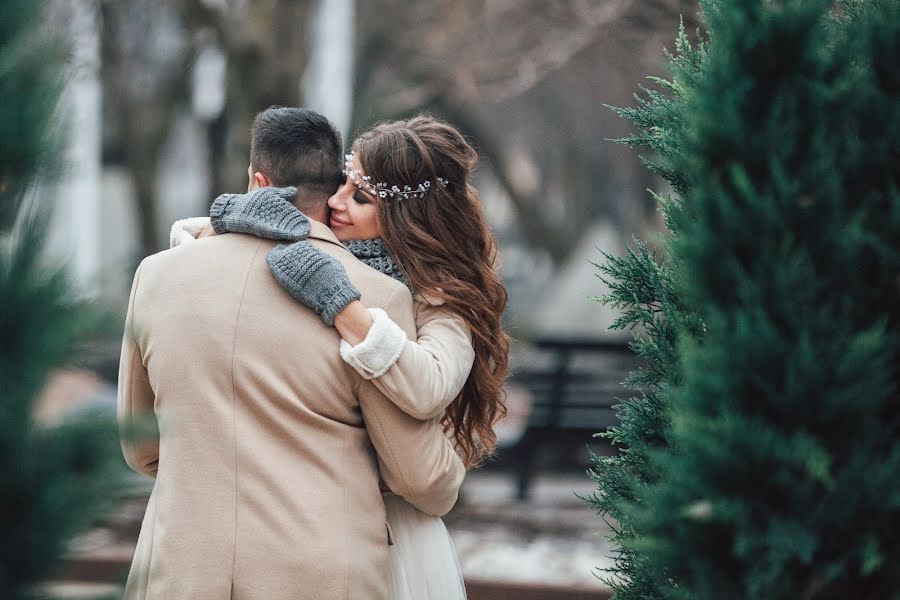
column 359, row 198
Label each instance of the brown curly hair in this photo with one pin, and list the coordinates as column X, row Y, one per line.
column 446, row 249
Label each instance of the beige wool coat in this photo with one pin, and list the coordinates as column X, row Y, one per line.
column 270, row 448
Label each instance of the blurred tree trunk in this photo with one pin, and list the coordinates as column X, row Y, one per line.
column 266, row 51
column 145, row 85
column 148, row 82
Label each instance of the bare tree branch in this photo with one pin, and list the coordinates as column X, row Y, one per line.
column 464, row 58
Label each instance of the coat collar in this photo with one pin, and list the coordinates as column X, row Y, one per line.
column 320, row 231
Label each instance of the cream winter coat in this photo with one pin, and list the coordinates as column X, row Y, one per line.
column 423, row 376
column 270, row 446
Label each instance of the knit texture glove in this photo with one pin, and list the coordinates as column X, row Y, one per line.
column 265, row 212
column 312, row 277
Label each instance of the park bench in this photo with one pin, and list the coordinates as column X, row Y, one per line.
column 573, row 385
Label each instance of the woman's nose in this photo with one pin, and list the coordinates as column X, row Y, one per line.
column 336, row 202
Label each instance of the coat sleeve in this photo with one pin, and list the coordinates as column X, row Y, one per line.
column 421, row 377
column 137, row 420
column 417, row 461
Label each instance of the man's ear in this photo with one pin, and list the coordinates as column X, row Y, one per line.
column 262, row 180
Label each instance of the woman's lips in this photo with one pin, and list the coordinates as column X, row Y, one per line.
column 335, row 222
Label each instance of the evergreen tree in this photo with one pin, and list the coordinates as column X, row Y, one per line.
column 642, row 286
column 55, row 480
column 29, row 85
column 781, row 471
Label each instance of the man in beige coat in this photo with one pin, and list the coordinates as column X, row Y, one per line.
column 271, row 447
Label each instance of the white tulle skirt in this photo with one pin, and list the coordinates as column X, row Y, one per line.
column 424, row 565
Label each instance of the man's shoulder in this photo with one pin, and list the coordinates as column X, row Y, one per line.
column 207, row 257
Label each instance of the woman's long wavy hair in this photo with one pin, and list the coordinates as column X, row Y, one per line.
column 444, row 245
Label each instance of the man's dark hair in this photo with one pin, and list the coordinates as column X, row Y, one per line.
column 299, row 147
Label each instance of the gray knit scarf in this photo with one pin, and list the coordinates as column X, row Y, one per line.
column 375, row 254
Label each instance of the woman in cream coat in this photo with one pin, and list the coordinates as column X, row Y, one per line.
column 407, row 209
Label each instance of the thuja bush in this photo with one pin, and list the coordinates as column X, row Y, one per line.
column 776, row 472
column 643, row 287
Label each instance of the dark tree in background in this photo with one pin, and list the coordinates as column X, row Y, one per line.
column 56, row 480
column 779, row 476
column 266, row 48
column 145, row 72
column 523, row 79
column 149, row 50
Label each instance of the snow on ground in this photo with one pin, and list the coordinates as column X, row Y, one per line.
column 553, row 538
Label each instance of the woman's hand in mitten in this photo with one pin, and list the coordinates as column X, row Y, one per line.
column 265, row 212
column 313, row 277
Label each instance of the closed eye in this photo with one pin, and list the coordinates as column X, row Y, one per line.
column 360, row 197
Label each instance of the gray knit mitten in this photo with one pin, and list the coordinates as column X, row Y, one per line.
column 265, row 212
column 312, row 277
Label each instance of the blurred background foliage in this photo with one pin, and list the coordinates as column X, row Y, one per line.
column 58, row 476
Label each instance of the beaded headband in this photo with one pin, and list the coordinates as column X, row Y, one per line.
column 384, row 190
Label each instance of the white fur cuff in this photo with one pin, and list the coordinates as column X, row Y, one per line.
column 186, row 230
column 382, row 347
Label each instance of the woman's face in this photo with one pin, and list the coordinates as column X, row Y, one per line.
column 353, row 212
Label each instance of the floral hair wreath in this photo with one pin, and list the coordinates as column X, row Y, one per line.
column 384, row 190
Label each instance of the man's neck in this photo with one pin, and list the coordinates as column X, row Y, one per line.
column 320, row 215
